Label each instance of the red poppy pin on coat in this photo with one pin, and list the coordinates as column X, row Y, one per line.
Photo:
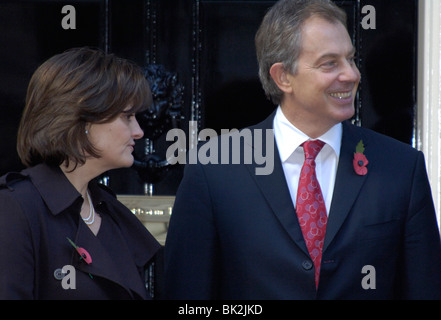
column 360, row 161
column 82, row 252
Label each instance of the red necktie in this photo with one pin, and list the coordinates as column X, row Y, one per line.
column 310, row 205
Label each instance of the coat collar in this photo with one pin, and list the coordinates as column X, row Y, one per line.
column 60, row 196
column 141, row 245
column 57, row 191
column 54, row 187
column 104, row 265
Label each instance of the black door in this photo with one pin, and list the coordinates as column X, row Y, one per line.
column 205, row 51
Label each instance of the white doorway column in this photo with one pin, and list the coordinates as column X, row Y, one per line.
column 428, row 118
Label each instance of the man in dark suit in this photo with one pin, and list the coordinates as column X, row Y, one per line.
column 369, row 230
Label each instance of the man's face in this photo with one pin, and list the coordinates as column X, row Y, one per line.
column 326, row 79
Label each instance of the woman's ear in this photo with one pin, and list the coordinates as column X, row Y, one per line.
column 280, row 77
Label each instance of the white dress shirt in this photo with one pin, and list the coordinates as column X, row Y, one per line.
column 288, row 140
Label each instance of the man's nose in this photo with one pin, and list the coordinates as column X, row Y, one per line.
column 350, row 73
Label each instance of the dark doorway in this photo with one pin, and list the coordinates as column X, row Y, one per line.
column 209, row 45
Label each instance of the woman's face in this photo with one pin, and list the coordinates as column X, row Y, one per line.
column 115, row 140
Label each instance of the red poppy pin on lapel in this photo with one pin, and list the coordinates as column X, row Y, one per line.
column 82, row 252
column 360, row 161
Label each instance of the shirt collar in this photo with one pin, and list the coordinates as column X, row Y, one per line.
column 289, row 138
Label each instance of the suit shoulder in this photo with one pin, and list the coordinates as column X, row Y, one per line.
column 381, row 142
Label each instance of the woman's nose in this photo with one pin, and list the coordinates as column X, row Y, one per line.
column 137, row 132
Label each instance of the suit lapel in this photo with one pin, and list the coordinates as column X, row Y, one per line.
column 347, row 183
column 275, row 189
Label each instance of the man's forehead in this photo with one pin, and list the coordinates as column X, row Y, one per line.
column 347, row 52
column 322, row 37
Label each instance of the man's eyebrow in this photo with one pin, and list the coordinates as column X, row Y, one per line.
column 335, row 55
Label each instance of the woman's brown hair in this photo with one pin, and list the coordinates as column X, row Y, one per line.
column 70, row 90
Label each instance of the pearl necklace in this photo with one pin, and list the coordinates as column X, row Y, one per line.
column 91, row 218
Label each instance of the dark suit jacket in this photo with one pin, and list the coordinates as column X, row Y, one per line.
column 39, row 209
column 235, row 235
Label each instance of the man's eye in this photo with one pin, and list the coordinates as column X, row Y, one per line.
column 329, row 64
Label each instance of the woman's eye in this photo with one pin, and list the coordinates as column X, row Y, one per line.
column 128, row 116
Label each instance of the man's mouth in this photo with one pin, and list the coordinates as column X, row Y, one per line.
column 341, row 95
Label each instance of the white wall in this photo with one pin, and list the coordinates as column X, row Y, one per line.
column 428, row 123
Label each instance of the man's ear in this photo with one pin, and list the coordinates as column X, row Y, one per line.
column 280, row 77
